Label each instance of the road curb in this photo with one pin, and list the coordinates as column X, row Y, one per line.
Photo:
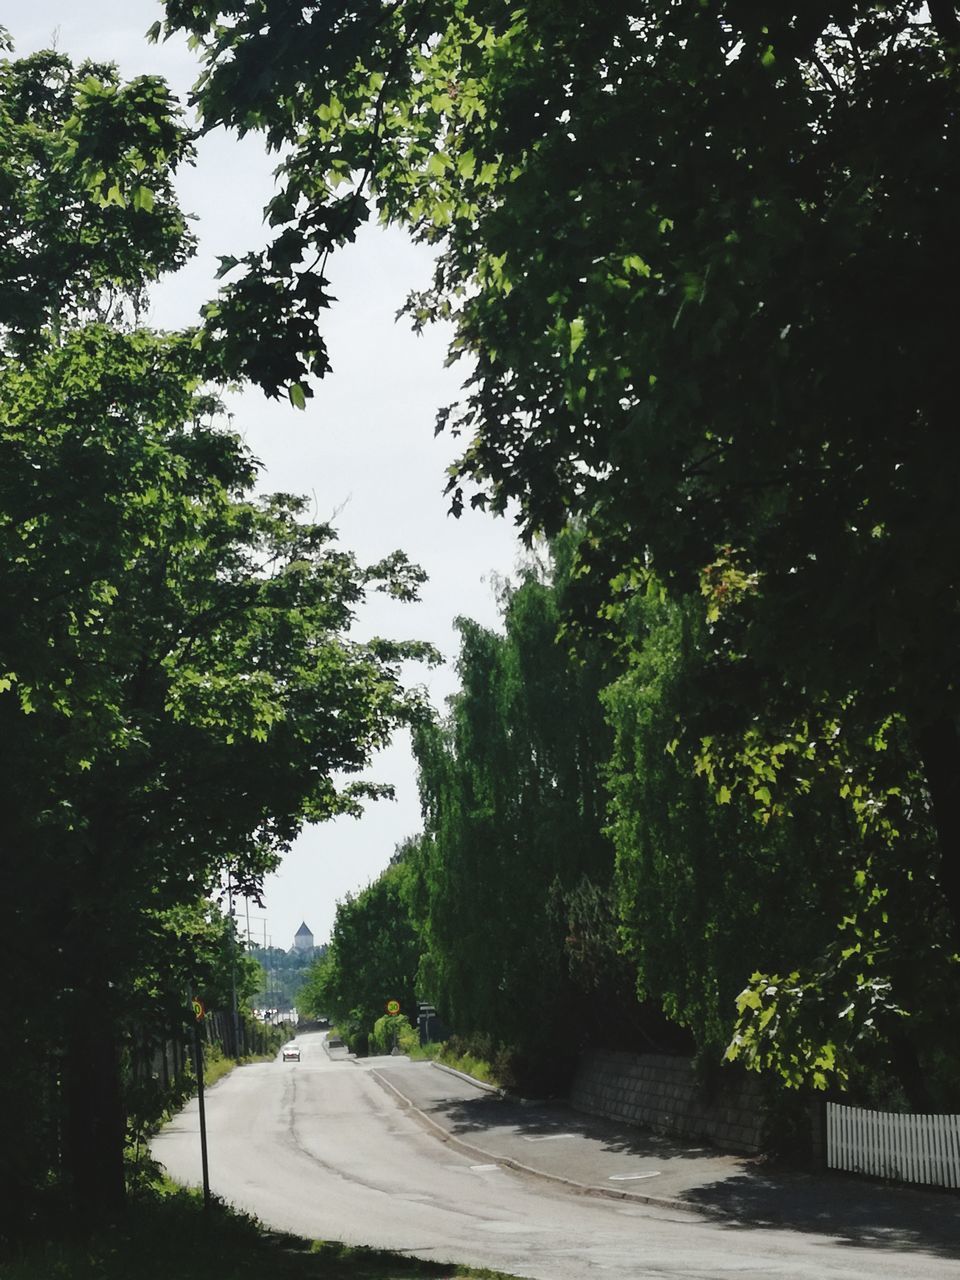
column 579, row 1188
column 462, row 1075
column 492, row 1088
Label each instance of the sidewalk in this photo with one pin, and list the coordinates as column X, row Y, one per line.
column 592, row 1156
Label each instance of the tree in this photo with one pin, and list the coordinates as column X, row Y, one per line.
column 514, row 810
column 88, row 215
column 808, row 922
column 702, row 256
column 179, row 693
column 373, row 957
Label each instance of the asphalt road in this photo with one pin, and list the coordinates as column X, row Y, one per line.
column 320, row 1149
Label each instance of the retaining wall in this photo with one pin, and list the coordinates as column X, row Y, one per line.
column 655, row 1091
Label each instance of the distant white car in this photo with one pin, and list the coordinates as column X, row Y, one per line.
column 291, row 1053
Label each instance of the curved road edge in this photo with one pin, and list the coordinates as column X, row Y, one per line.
column 578, row 1188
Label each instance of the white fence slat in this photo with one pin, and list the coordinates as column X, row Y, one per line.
column 911, row 1137
column 879, row 1166
column 916, row 1163
column 901, row 1170
column 873, row 1145
column 920, row 1165
column 910, row 1148
column 943, row 1157
column 886, row 1143
column 937, row 1170
column 943, row 1139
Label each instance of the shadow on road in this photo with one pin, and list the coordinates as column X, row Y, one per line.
column 490, row 1112
column 851, row 1209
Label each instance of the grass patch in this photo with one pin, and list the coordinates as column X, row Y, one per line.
column 167, row 1234
column 465, row 1062
column 469, row 1065
column 216, row 1064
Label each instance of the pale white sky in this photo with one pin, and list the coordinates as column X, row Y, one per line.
column 364, row 446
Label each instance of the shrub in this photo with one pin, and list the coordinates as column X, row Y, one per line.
column 389, row 1030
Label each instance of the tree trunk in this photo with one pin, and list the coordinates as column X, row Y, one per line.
column 939, row 746
column 94, row 1126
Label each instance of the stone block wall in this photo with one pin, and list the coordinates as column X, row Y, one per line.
column 655, row 1091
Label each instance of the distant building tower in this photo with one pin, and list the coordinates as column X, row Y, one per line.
column 303, row 939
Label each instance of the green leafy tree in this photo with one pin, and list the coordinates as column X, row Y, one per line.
column 178, row 691
column 373, row 957
column 282, row 974
column 88, row 213
column 513, row 806
column 702, row 256
column 827, row 917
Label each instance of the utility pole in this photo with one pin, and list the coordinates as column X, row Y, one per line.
column 258, row 921
column 233, row 967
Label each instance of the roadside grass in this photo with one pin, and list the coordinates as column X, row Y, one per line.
column 216, row 1064
column 168, row 1234
column 465, row 1062
column 433, row 1051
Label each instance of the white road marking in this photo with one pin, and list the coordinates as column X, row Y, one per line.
column 477, row 1168
column 632, row 1177
column 547, row 1137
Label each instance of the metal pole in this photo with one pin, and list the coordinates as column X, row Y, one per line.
column 233, row 968
column 198, row 1054
column 246, row 903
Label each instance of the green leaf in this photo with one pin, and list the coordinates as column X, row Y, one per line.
column 576, row 334
column 437, row 165
column 633, row 262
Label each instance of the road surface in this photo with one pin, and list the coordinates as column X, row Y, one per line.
column 320, row 1149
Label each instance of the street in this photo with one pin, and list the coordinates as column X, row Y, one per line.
column 319, row 1148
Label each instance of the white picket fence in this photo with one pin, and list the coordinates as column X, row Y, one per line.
column 905, row 1147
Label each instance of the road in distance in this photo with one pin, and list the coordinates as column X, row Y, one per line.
column 320, row 1149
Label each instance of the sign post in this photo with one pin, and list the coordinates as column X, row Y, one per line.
column 198, row 1016
column 393, row 1009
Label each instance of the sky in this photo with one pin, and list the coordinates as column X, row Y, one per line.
column 363, row 449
